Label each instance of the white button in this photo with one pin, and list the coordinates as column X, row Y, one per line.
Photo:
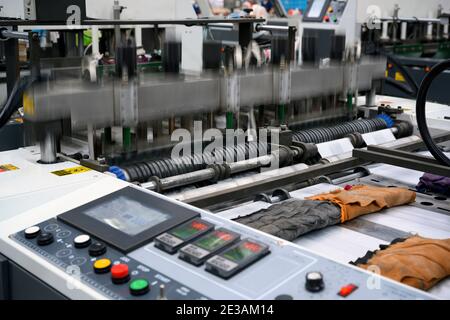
column 32, row 230
column 314, row 276
column 82, row 239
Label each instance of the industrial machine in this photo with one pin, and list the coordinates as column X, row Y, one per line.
column 149, row 127
column 123, row 242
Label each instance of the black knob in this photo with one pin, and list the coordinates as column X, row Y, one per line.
column 97, row 249
column 314, row 281
column 45, row 239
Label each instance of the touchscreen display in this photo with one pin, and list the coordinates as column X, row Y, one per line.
column 316, row 9
column 127, row 215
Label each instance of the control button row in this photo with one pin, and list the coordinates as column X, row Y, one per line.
column 96, row 249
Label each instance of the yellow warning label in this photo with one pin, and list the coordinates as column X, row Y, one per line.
column 69, row 171
column 399, row 77
column 7, row 167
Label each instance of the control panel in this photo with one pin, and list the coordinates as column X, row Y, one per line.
column 135, row 244
column 90, row 260
column 325, row 11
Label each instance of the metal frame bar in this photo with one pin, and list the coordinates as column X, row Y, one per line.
column 112, row 22
column 238, row 192
column 404, row 160
column 412, row 156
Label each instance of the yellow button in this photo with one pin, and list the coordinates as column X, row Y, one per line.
column 102, row 265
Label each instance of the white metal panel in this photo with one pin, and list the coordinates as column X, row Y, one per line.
column 334, row 148
column 33, row 184
column 12, row 9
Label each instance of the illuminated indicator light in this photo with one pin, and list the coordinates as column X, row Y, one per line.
column 347, row 290
column 390, row 65
column 326, row 18
column 224, row 236
column 252, row 247
column 198, row 226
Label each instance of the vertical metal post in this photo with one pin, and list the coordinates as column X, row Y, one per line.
column 48, row 148
column 292, row 31
column 371, row 96
column 117, row 9
column 35, row 58
column 91, row 141
column 245, row 34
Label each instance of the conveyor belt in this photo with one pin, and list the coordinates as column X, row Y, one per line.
column 347, row 242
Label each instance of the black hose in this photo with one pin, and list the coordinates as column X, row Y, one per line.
column 421, row 114
column 164, row 168
column 14, row 100
column 321, row 135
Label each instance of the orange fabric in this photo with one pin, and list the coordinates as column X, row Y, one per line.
column 417, row 262
column 361, row 200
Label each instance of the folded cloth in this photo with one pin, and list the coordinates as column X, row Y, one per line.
column 360, row 200
column 292, row 218
column 434, row 183
column 416, row 261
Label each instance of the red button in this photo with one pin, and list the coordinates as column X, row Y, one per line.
column 347, row 290
column 119, row 271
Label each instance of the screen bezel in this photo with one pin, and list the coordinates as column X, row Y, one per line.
column 121, row 240
column 322, row 12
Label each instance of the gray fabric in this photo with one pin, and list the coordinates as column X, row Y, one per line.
column 292, row 218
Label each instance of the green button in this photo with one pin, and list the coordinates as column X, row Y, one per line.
column 139, row 287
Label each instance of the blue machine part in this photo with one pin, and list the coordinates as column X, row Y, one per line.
column 389, row 121
column 118, row 172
